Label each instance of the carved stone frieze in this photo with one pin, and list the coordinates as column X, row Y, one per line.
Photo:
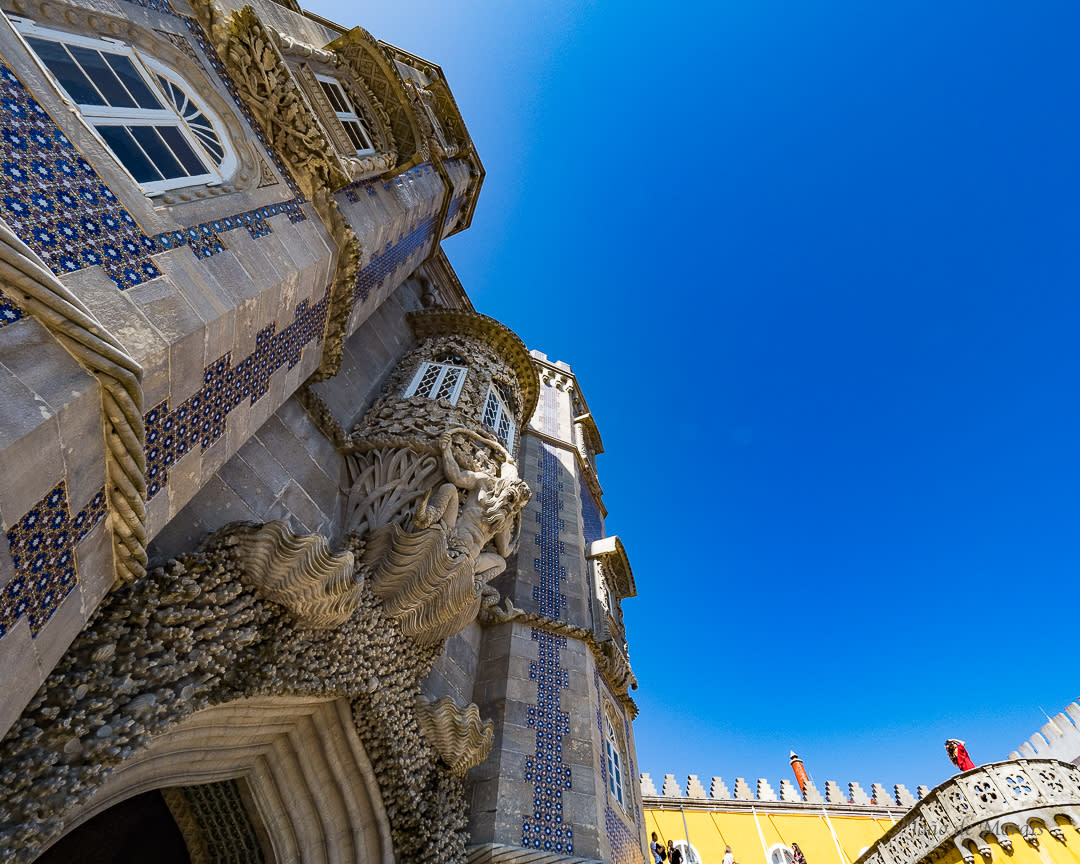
column 460, row 737
column 193, row 634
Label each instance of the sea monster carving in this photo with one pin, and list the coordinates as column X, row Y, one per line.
column 431, row 576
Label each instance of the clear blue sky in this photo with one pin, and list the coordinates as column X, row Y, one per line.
column 816, row 266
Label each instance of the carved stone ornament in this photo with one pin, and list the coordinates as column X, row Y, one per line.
column 431, row 573
column 458, row 735
column 363, row 55
column 194, row 634
column 266, row 85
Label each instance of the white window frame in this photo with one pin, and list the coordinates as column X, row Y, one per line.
column 432, row 391
column 347, row 116
column 689, row 851
column 613, row 755
column 95, row 116
column 502, row 412
column 786, row 855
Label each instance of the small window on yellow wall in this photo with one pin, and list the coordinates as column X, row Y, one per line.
column 346, row 113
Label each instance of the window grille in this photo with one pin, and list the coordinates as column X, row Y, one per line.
column 437, row 381
column 346, row 113
column 498, row 418
column 153, row 127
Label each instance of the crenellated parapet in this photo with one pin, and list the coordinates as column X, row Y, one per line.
column 1058, row 739
column 972, row 810
column 852, row 796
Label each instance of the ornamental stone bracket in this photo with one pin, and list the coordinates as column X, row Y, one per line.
column 1031, row 796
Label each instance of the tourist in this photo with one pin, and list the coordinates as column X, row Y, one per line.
column 958, row 754
column 796, row 854
column 657, row 849
column 728, row 857
column 674, row 853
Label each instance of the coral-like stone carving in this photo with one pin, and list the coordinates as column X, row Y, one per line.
column 191, row 635
column 298, row 572
column 431, row 577
column 460, row 737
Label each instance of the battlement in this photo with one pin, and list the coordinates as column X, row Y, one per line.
column 853, row 795
column 1058, row 739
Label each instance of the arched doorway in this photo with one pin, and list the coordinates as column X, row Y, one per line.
column 271, row 778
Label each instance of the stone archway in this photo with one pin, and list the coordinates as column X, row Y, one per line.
column 310, row 790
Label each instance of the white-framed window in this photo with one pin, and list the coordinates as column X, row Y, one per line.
column 140, row 109
column 498, row 417
column 779, row 854
column 690, row 855
column 346, row 113
column 614, row 761
column 437, row 381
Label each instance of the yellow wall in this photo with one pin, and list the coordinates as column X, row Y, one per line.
column 710, row 832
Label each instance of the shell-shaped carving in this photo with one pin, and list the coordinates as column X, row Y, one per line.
column 424, row 579
column 299, row 572
column 460, row 737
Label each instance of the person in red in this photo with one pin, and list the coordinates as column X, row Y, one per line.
column 958, row 754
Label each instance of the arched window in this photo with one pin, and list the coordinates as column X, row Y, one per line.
column 690, row 853
column 779, row 854
column 346, row 113
column 142, row 110
column 614, row 761
column 437, row 381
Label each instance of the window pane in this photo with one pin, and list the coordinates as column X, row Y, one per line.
column 159, row 154
column 335, row 96
column 356, row 134
column 448, row 384
column 182, row 150
column 103, row 77
column 431, row 375
column 125, row 70
column 67, row 72
column 127, row 151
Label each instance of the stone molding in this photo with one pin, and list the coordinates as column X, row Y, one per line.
column 612, row 662
column 498, row 853
column 969, row 807
column 71, row 323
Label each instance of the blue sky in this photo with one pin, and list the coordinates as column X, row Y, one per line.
column 815, row 266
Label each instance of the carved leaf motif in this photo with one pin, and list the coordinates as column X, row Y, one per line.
column 386, row 484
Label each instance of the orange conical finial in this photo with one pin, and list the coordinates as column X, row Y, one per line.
column 800, row 771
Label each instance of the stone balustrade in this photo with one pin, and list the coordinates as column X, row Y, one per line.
column 1030, row 796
